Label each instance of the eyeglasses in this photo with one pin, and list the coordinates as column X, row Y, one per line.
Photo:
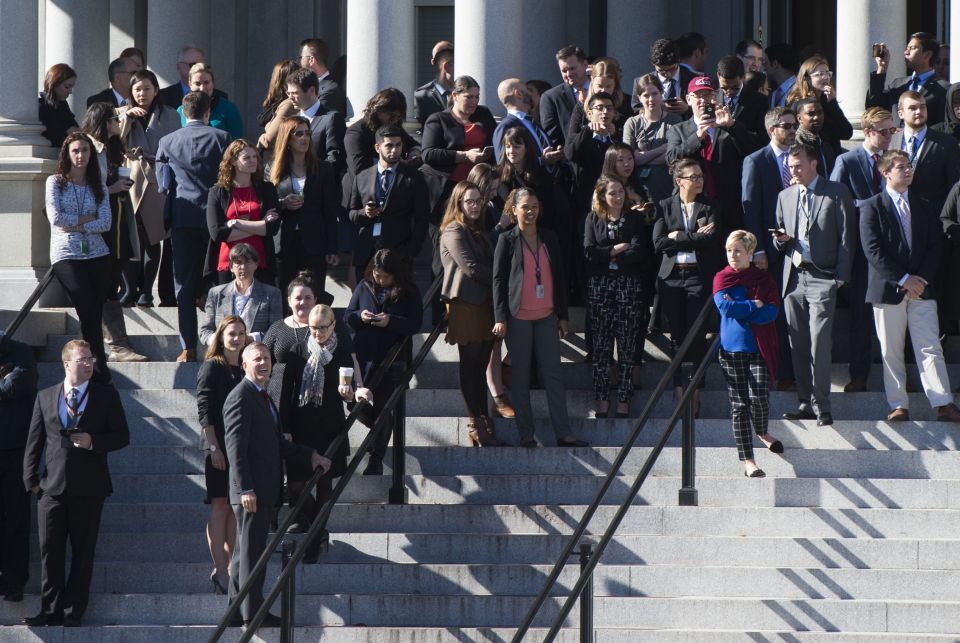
column 692, row 177
column 602, row 108
column 821, row 74
column 471, row 202
column 301, row 133
column 887, row 131
column 786, row 126
column 323, row 328
column 84, row 360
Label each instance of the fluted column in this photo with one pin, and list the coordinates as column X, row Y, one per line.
column 860, row 23
column 172, row 24
column 954, row 30
column 380, row 51
column 631, row 28
column 77, row 32
column 488, row 44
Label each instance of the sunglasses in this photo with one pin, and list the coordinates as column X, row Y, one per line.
column 786, row 126
column 300, row 133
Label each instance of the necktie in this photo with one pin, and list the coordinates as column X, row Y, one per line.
column 73, row 405
column 266, row 400
column 804, row 212
column 785, row 176
column 912, row 147
column 706, row 153
column 670, row 93
column 384, row 184
column 877, row 178
column 905, row 221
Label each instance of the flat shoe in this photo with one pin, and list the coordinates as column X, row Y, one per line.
column 776, row 446
column 756, row 473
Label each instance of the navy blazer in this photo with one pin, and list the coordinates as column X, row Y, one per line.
column 556, row 105
column 888, row 256
column 853, row 170
column 508, row 121
column 886, row 95
column 188, row 161
column 760, row 187
column 685, row 77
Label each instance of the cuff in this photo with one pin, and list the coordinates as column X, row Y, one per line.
column 903, row 280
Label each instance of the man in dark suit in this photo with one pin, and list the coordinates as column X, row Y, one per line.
column 255, row 448
column 557, row 103
column 765, row 175
column 783, row 61
column 78, row 422
column 674, row 77
column 719, row 142
column 934, row 155
column 746, row 107
column 902, row 241
column 518, row 101
column 187, row 57
column 810, row 116
column 920, row 54
column 389, row 203
column 815, row 233
column 432, row 97
column 314, row 54
column 119, row 90
column 858, row 170
column 18, row 390
column 187, row 164
column 327, row 127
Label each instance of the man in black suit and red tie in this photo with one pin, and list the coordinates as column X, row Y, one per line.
column 255, row 446
column 79, row 422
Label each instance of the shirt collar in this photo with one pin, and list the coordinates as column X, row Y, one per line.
column 381, row 169
column 194, row 120
column 117, row 97
column 440, row 88
column 777, row 150
column 255, row 385
column 869, row 153
column 813, row 184
column 921, row 78
column 81, row 388
column 695, row 71
column 894, row 194
column 787, row 84
column 675, row 77
column 920, row 133
column 325, row 75
column 516, row 112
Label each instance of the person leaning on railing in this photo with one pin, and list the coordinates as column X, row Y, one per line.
column 749, row 302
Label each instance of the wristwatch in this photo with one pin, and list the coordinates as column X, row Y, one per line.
column 212, row 448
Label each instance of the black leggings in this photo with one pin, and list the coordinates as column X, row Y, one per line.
column 474, row 358
column 86, row 282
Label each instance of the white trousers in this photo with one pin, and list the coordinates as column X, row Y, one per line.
column 920, row 316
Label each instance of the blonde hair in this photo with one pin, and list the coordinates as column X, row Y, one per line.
column 70, row 346
column 321, row 311
column 743, row 237
column 874, row 116
column 198, row 68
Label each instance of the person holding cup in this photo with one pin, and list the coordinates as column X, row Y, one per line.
column 815, row 79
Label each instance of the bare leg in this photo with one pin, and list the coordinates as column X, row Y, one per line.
column 495, row 370
column 221, row 537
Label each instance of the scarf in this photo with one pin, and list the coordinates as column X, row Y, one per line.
column 311, row 388
column 760, row 285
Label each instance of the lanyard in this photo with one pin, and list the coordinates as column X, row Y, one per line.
column 71, row 411
column 536, row 255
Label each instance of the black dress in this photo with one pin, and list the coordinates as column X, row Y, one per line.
column 283, row 342
column 317, row 426
column 215, row 380
column 56, row 121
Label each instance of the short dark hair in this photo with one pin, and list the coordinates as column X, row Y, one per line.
column 689, row 42
column 663, row 53
column 195, row 105
column 319, row 49
column 774, row 115
column 754, row 81
column 130, row 52
column 809, row 150
column 743, row 45
column 928, row 43
column 304, row 78
column 388, row 131
column 570, row 50
column 541, row 86
column 116, row 65
column 730, row 67
column 799, row 104
column 784, row 54
column 444, row 55
column 600, row 96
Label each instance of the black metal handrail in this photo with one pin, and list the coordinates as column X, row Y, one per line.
column 320, row 520
column 695, row 331
column 28, row 305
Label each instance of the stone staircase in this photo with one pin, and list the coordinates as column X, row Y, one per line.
column 852, row 537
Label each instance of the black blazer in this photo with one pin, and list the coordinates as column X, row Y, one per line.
column 327, row 130
column 888, row 257
column 443, row 138
column 586, row 153
column 84, row 470
column 936, row 167
column 751, row 111
column 404, row 218
column 427, row 101
column 556, row 104
column 214, row 383
column 706, row 245
column 508, row 274
column 887, row 94
column 18, row 390
column 314, row 225
column 218, row 200
column 597, row 244
column 331, row 95
column 106, row 96
column 836, row 127
column 255, row 446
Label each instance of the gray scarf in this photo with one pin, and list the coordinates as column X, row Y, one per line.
column 311, row 389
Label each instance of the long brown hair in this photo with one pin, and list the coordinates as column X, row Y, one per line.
column 803, row 88
column 277, row 90
column 599, row 201
column 454, row 211
column 390, row 99
column 55, row 76
column 525, row 172
column 608, row 68
column 228, row 172
column 283, row 157
column 215, row 349
column 92, row 175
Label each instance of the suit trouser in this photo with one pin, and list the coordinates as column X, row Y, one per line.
column 785, row 364
column 87, row 282
column 809, row 304
column 920, row 317
column 189, row 250
column 14, row 521
column 682, row 296
column 540, row 338
column 861, row 331
column 252, row 531
column 77, row 518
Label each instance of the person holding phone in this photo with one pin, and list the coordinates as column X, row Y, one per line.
column 646, row 134
column 687, row 237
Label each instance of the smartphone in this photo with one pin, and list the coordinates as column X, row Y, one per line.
column 488, row 150
column 878, row 50
column 776, row 231
column 710, row 110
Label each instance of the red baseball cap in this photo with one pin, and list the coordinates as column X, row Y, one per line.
column 700, row 83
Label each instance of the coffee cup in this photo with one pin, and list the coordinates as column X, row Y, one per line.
column 346, row 375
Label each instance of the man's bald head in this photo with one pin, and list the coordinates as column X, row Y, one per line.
column 437, row 48
column 513, row 93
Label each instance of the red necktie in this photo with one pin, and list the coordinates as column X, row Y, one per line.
column 876, row 175
column 706, row 153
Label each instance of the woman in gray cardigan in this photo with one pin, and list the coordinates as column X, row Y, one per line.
column 467, row 258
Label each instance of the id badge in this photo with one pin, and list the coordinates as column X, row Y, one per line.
column 613, row 265
column 84, row 247
column 376, row 228
column 796, row 258
column 540, row 292
column 643, row 172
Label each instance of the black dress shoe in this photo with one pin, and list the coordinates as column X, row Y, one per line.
column 776, row 446
column 800, row 414
column 42, row 619
column 71, row 621
column 825, row 419
column 270, row 620
column 374, row 468
column 13, row 595
column 572, row 443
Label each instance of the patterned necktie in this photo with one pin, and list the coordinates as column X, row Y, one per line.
column 73, row 405
column 804, row 218
column 384, row 184
column 877, row 178
column 912, row 147
column 785, row 176
column 670, row 92
column 906, row 221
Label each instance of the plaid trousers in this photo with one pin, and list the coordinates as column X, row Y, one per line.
column 616, row 312
column 748, row 383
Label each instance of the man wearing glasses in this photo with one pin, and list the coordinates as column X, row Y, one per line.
column 77, row 422
column 313, row 55
column 118, row 92
column 187, row 57
column 902, row 241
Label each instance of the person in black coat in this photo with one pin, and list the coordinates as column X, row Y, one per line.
column 54, row 111
column 431, row 97
column 18, row 390
column 76, row 422
column 326, row 126
column 385, row 309
column 388, row 203
column 746, row 106
column 218, row 375
column 922, row 49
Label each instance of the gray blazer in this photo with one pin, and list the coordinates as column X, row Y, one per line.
column 832, row 235
column 264, row 308
column 467, row 265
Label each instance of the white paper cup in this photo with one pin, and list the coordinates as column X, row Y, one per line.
column 123, row 172
column 346, row 375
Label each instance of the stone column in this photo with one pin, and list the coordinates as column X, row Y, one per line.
column 954, row 30
column 25, row 156
column 478, row 24
column 172, row 24
column 860, row 23
column 540, row 44
column 631, row 29
column 78, row 34
column 380, row 51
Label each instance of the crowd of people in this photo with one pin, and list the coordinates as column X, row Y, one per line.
column 629, row 199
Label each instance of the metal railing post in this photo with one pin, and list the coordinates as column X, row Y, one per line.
column 398, row 489
column 289, row 598
column 586, row 596
column 688, row 456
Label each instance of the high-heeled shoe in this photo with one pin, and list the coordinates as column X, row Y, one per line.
column 217, row 587
column 320, row 545
column 501, row 406
column 482, row 434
